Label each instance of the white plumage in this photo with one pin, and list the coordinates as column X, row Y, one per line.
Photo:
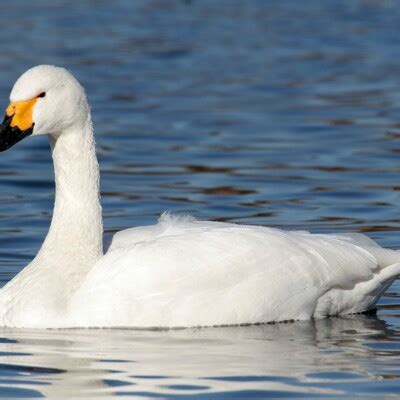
column 189, row 273
column 180, row 272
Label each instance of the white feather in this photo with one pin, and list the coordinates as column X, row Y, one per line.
column 180, row 272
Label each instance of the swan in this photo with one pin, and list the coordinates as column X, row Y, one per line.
column 179, row 272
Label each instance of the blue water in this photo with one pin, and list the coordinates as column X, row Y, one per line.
column 280, row 113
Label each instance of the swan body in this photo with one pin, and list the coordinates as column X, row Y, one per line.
column 178, row 273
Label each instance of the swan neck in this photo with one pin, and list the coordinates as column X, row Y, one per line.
column 77, row 222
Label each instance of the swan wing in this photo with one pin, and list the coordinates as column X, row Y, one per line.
column 191, row 273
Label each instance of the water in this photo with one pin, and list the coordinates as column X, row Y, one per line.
column 279, row 113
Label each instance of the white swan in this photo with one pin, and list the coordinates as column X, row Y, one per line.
column 179, row 272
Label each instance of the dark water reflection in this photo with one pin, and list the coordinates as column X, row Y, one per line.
column 279, row 113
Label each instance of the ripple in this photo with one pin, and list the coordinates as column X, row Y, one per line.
column 282, row 114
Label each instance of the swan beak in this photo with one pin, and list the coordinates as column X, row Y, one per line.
column 17, row 124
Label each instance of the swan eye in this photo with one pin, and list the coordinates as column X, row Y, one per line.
column 42, row 94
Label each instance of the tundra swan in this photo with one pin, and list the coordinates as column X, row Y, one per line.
column 179, row 272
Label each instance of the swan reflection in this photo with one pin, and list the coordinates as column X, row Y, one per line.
column 284, row 359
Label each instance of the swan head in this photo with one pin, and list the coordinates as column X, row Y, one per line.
column 44, row 100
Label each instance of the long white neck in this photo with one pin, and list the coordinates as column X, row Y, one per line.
column 76, row 227
column 74, row 241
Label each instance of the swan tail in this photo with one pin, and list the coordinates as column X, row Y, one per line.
column 371, row 291
column 389, row 274
column 361, row 298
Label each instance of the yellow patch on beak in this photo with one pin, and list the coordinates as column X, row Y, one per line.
column 21, row 113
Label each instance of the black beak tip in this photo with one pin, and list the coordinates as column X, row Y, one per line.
column 11, row 135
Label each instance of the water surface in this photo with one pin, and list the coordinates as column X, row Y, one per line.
column 278, row 113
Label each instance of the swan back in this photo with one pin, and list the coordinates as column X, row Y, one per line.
column 183, row 272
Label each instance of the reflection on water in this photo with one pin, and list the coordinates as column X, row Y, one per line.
column 280, row 113
column 331, row 357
